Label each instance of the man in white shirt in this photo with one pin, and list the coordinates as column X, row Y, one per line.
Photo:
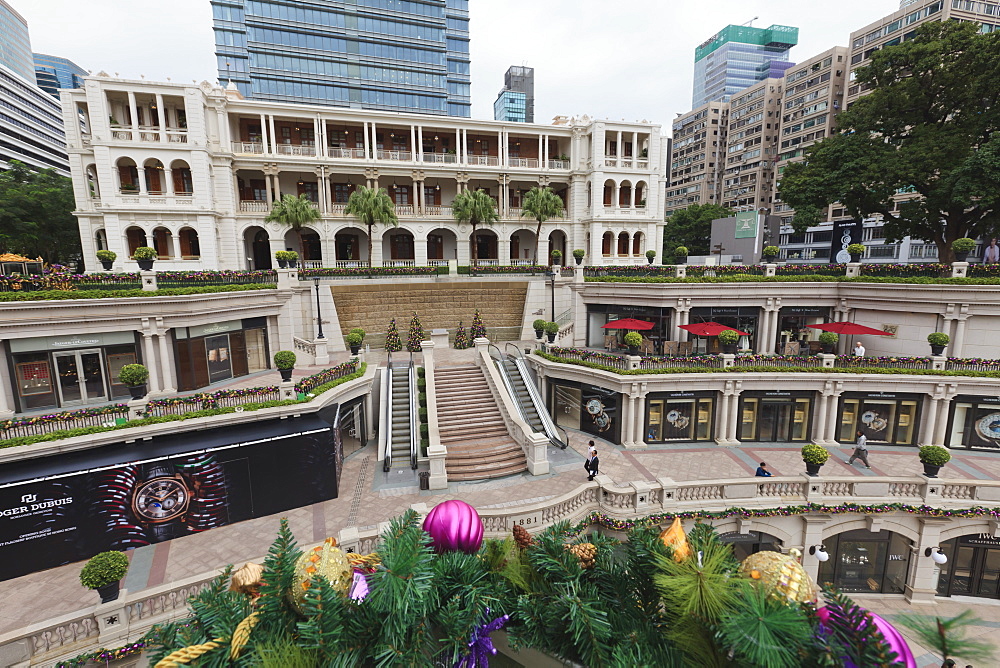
column 860, row 450
column 991, row 253
column 859, row 350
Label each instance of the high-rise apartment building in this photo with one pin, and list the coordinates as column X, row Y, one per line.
column 751, row 146
column 737, row 57
column 390, row 55
column 697, row 157
column 54, row 72
column 15, row 45
column 516, row 102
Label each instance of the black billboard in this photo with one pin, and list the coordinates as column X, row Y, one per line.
column 57, row 510
column 845, row 233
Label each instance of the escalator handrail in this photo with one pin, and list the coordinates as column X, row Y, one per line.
column 517, row 350
column 414, row 414
column 508, row 385
column 386, row 421
column 536, row 399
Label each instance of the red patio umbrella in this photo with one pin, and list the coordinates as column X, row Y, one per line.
column 628, row 323
column 849, row 328
column 709, row 328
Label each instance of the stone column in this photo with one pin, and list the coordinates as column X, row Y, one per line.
column 721, row 428
column 922, row 580
column 267, row 188
column 6, row 395
column 958, row 344
column 161, row 115
column 639, row 433
column 175, row 245
column 317, row 138
column 615, row 203
column 149, row 357
column 833, row 415
column 168, row 181
column 812, row 535
column 926, row 435
column 819, row 424
column 265, row 144
column 618, row 154
column 134, row 112
column 626, row 419
column 272, row 134
column 734, row 411
column 165, row 365
column 367, row 143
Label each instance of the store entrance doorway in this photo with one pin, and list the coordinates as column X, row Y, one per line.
column 81, row 377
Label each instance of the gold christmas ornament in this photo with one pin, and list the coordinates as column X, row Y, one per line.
column 585, row 552
column 781, row 574
column 675, row 538
column 325, row 561
column 247, row 579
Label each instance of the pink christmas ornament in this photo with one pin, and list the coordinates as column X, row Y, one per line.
column 454, row 526
column 895, row 640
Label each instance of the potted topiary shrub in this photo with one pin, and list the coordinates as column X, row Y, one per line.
column 145, row 255
column 360, row 332
column 938, row 341
column 354, row 341
column 650, row 255
column 962, row 247
column 107, row 259
column 286, row 259
column 828, row 340
column 557, row 257
column 770, row 253
column 134, row 377
column 728, row 339
column 933, row 457
column 551, row 329
column 539, row 326
column 578, row 255
column 814, row 456
column 633, row 340
column 681, row 254
column 285, row 361
column 856, row 251
column 104, row 572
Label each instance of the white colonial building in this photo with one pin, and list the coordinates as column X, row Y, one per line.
column 192, row 170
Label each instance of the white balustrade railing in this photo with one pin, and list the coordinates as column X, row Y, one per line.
column 311, row 264
column 438, row 211
column 251, row 147
column 303, row 346
column 399, row 263
column 296, row 149
column 520, row 263
column 437, row 263
column 121, row 135
column 440, row 158
column 177, row 136
column 487, row 160
column 393, row 155
column 254, row 206
column 337, row 209
column 488, row 262
column 523, row 162
column 514, row 212
column 350, row 264
column 350, row 153
column 558, row 164
column 404, row 209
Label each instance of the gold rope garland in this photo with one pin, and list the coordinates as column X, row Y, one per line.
column 363, row 560
column 242, row 634
column 186, row 655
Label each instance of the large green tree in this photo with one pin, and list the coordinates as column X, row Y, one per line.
column 929, row 126
column 691, row 227
column 297, row 213
column 372, row 206
column 36, row 215
column 477, row 208
column 540, row 204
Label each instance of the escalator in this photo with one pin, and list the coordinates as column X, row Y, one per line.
column 514, row 371
column 398, row 420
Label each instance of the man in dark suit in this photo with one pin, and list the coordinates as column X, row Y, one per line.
column 593, row 464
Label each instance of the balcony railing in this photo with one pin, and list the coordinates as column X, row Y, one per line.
column 350, row 264
column 399, row 263
column 254, row 206
column 437, row 211
column 440, row 158
column 296, row 149
column 393, row 155
column 349, row 153
column 487, row 160
column 119, row 134
column 437, row 263
column 248, row 147
column 487, row 262
column 558, row 164
column 531, row 163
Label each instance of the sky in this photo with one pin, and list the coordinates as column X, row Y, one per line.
column 631, row 59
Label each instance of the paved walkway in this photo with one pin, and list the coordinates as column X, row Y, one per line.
column 369, row 496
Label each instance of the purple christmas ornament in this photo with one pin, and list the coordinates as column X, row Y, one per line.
column 481, row 645
column 893, row 638
column 454, row 526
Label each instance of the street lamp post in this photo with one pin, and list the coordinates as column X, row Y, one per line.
column 552, row 285
column 319, row 315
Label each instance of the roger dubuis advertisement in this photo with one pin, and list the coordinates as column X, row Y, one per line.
column 130, row 495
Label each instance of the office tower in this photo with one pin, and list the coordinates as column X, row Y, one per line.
column 737, row 57
column 53, row 73
column 15, row 45
column 751, row 149
column 516, row 102
column 697, row 157
column 391, row 55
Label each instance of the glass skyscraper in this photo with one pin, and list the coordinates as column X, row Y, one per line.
column 392, row 55
column 511, row 105
column 53, row 73
column 15, row 45
column 737, row 57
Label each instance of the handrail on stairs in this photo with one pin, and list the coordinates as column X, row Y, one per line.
column 386, row 422
column 414, row 413
column 552, row 430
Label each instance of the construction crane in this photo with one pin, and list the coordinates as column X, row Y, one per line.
column 749, row 23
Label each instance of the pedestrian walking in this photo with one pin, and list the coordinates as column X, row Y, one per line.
column 762, row 471
column 594, row 464
column 591, row 449
column 859, row 350
column 860, row 450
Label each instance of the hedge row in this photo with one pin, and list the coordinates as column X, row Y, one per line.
column 807, row 278
column 47, row 295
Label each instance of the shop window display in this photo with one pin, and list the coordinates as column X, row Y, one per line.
column 862, row 561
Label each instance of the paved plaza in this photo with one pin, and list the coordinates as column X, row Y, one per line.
column 368, row 496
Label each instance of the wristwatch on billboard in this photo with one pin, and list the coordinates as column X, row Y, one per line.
column 160, row 501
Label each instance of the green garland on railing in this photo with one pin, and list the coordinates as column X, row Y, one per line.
column 106, row 656
column 616, row 524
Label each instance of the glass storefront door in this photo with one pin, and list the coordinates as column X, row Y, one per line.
column 81, row 377
column 219, row 365
column 775, row 420
column 881, row 420
column 862, row 561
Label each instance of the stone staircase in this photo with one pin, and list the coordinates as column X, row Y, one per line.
column 472, row 427
column 440, row 305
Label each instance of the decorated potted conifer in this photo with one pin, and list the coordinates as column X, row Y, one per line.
column 556, row 257
column 578, row 255
column 354, row 341
column 551, row 329
column 770, row 254
column 728, row 339
column 539, row 327
column 650, row 256
column 286, row 259
column 828, row 340
column 104, row 572
column 144, row 256
column 360, row 332
column 814, row 457
column 681, row 254
column 134, row 377
column 856, row 251
column 284, row 360
column 962, row 247
column 933, row 457
column 938, row 341
column 107, row 259
column 633, row 340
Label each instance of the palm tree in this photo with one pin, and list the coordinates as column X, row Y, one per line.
column 475, row 208
column 372, row 206
column 540, row 204
column 296, row 212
